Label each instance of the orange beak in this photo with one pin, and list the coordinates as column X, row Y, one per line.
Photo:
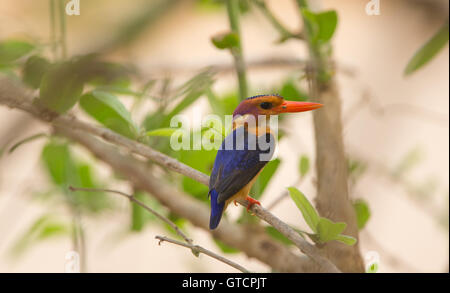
column 293, row 107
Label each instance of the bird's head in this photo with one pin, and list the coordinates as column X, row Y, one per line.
column 271, row 105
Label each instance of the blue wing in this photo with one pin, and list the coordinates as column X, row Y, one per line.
column 235, row 168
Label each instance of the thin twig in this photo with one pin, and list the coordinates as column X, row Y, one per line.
column 198, row 249
column 132, row 198
column 26, row 140
column 189, row 243
column 284, row 32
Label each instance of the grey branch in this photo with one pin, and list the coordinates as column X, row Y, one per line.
column 292, row 235
column 189, row 243
column 14, row 96
column 199, row 249
column 132, row 198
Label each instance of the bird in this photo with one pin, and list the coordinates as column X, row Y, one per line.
column 236, row 168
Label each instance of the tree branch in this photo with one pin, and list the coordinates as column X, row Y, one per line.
column 199, row 249
column 131, row 198
column 196, row 249
column 253, row 243
column 332, row 191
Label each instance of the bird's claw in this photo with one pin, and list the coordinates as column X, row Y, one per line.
column 251, row 202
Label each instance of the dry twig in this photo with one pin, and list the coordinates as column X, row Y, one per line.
column 198, row 249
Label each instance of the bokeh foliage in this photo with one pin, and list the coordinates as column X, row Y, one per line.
column 101, row 89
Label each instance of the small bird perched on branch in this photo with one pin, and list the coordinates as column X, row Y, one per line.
column 246, row 150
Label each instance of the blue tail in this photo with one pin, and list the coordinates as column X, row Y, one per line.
column 216, row 210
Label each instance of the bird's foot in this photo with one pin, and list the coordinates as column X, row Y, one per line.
column 251, row 202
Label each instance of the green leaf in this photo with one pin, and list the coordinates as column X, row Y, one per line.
column 213, row 131
column 153, row 121
column 203, row 161
column 58, row 162
column 51, row 230
column 264, row 178
column 189, row 92
column 356, row 169
column 61, row 87
column 45, row 227
column 292, row 92
column 34, row 69
column 244, row 6
column 12, row 50
column 304, row 165
column 62, row 84
column 195, row 189
column 100, row 73
column 226, row 40
column 314, row 238
column 362, row 212
column 178, row 221
column 188, row 100
column 348, row 240
column 428, row 50
column 327, row 22
column 275, row 234
column 309, row 213
column 117, row 89
column 91, row 201
column 162, row 132
column 139, row 215
column 223, row 105
column 225, row 248
column 301, row 232
column 65, row 171
column 373, row 268
column 208, row 5
column 320, row 26
column 109, row 111
column 328, row 230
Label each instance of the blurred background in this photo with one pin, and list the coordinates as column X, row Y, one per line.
column 395, row 129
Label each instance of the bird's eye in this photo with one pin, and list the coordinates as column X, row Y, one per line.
column 265, row 105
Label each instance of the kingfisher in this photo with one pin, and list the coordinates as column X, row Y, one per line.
column 246, row 150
